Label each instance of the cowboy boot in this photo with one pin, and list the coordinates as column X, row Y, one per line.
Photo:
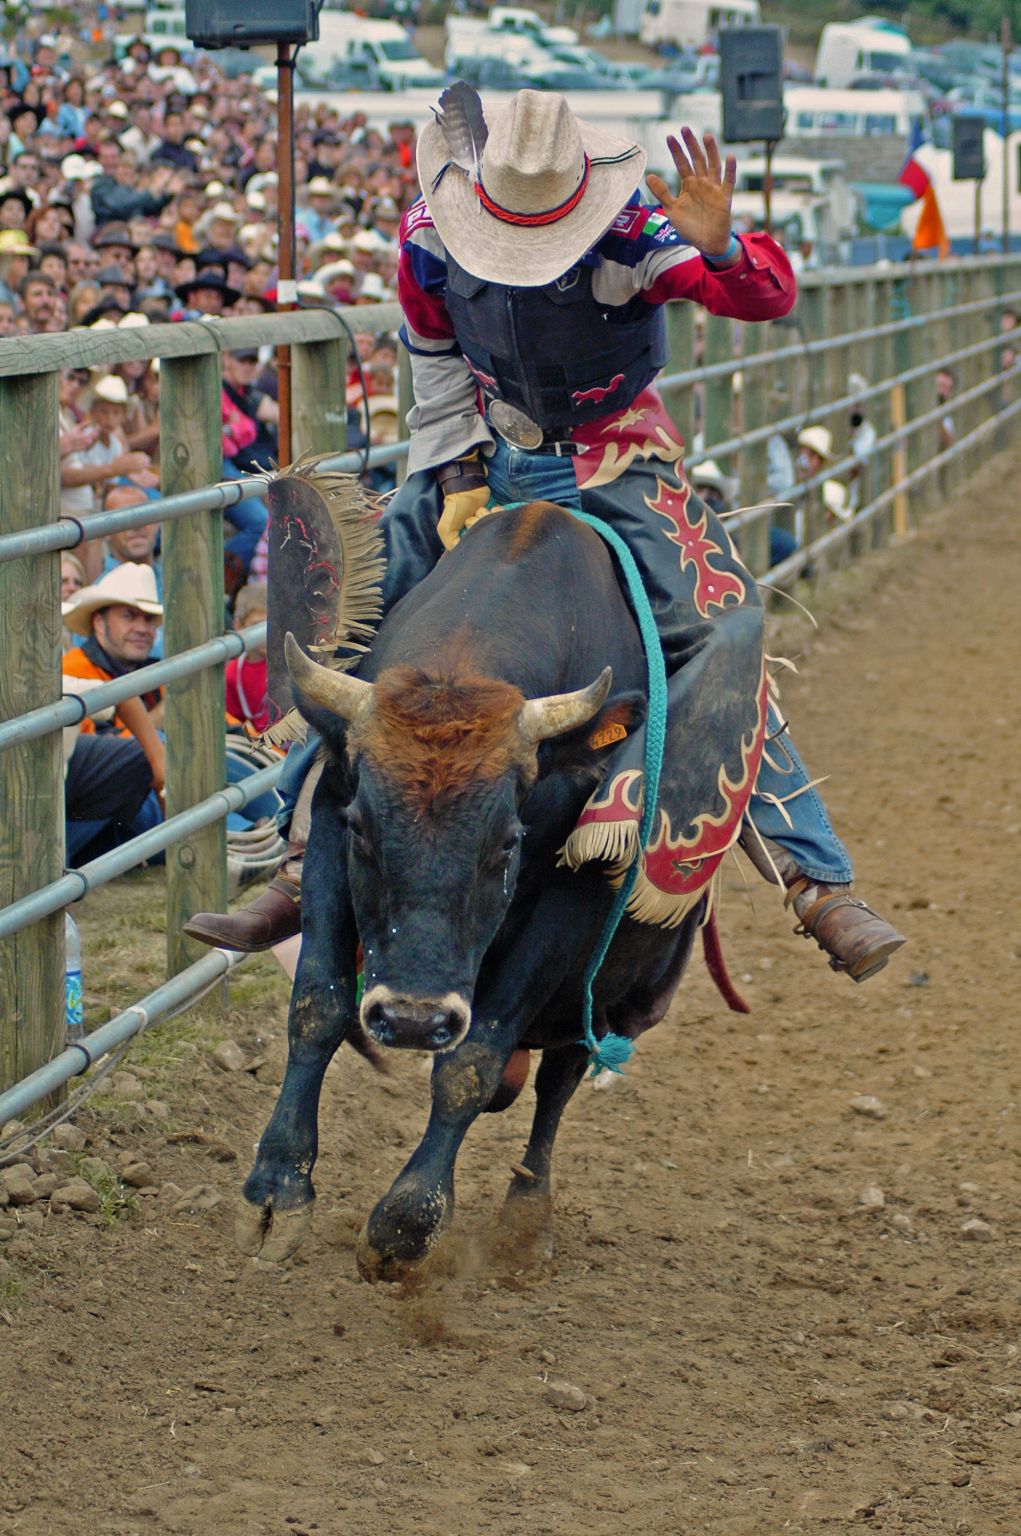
column 856, row 939
column 273, row 916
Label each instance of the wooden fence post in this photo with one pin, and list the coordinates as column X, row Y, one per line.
column 813, row 310
column 318, row 403
column 880, row 367
column 718, row 411
column 680, row 401
column 191, row 457
column 31, row 775
column 754, row 537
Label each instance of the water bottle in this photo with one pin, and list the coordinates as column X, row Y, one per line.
column 73, row 979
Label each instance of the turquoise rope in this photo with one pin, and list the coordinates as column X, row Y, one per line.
column 613, row 1051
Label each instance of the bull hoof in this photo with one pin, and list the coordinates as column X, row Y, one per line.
column 398, row 1237
column 260, row 1232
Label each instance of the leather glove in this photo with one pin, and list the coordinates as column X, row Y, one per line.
column 465, row 494
column 460, row 511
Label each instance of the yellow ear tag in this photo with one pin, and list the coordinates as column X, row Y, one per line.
column 606, row 735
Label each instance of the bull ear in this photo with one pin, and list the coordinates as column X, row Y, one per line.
column 560, row 712
column 338, row 692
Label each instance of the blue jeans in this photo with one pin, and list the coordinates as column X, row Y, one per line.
column 248, row 516
column 266, row 804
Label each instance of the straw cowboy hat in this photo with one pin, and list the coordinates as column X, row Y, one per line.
column 710, row 473
column 130, row 584
column 520, row 196
column 818, row 439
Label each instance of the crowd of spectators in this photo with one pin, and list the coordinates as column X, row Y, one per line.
column 140, row 190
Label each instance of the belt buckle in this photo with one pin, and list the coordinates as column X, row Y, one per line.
column 514, row 426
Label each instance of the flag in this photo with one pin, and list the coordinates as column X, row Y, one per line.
column 913, row 174
column 930, row 232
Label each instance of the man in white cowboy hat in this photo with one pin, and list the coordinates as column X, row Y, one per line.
column 315, row 218
column 815, row 451
column 118, row 618
column 532, row 280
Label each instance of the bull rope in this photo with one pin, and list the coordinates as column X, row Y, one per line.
column 613, row 1051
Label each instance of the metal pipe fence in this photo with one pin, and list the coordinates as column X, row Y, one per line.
column 732, row 384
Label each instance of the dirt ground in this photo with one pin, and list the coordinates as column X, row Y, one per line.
column 758, row 1351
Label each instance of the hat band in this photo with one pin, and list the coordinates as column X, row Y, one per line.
column 550, row 216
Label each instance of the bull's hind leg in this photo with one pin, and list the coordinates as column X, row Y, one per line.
column 528, row 1209
column 274, row 1215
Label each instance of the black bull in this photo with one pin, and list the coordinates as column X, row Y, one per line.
column 435, row 832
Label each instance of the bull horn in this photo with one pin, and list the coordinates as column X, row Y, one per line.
column 338, row 692
column 560, row 712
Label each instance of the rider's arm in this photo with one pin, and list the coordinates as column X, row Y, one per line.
column 759, row 286
column 445, row 423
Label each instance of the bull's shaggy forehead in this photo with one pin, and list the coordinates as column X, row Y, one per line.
column 431, row 737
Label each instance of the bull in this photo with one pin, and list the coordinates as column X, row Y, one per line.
column 458, row 762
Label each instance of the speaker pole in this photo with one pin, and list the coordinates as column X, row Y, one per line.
column 1005, row 42
column 978, row 216
column 767, row 185
column 287, row 291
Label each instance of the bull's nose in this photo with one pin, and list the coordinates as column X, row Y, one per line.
column 404, row 1022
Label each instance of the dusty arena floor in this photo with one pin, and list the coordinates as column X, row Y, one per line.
column 757, row 1345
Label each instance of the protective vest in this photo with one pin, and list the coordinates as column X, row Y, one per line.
column 555, row 352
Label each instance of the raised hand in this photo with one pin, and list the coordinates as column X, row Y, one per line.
column 700, row 211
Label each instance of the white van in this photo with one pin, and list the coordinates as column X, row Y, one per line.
column 871, row 46
column 165, row 25
column 690, row 23
column 814, row 112
column 380, row 52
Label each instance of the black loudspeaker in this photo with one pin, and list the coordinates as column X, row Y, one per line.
column 751, row 83
column 239, row 23
column 969, row 159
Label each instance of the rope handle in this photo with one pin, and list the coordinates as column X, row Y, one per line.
column 612, row 1052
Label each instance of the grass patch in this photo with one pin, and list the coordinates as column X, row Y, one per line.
column 14, row 1286
column 115, row 1201
column 123, row 927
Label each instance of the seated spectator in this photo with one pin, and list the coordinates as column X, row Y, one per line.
column 99, row 454
column 207, row 293
column 111, row 789
column 710, row 483
column 863, row 439
column 240, row 372
column 245, row 676
column 118, row 617
column 247, row 516
column 946, row 381
column 72, row 579
column 135, row 546
column 37, row 294
column 16, row 252
column 815, row 451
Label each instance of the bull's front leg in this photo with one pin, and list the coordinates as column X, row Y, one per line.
column 406, row 1224
column 275, row 1213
